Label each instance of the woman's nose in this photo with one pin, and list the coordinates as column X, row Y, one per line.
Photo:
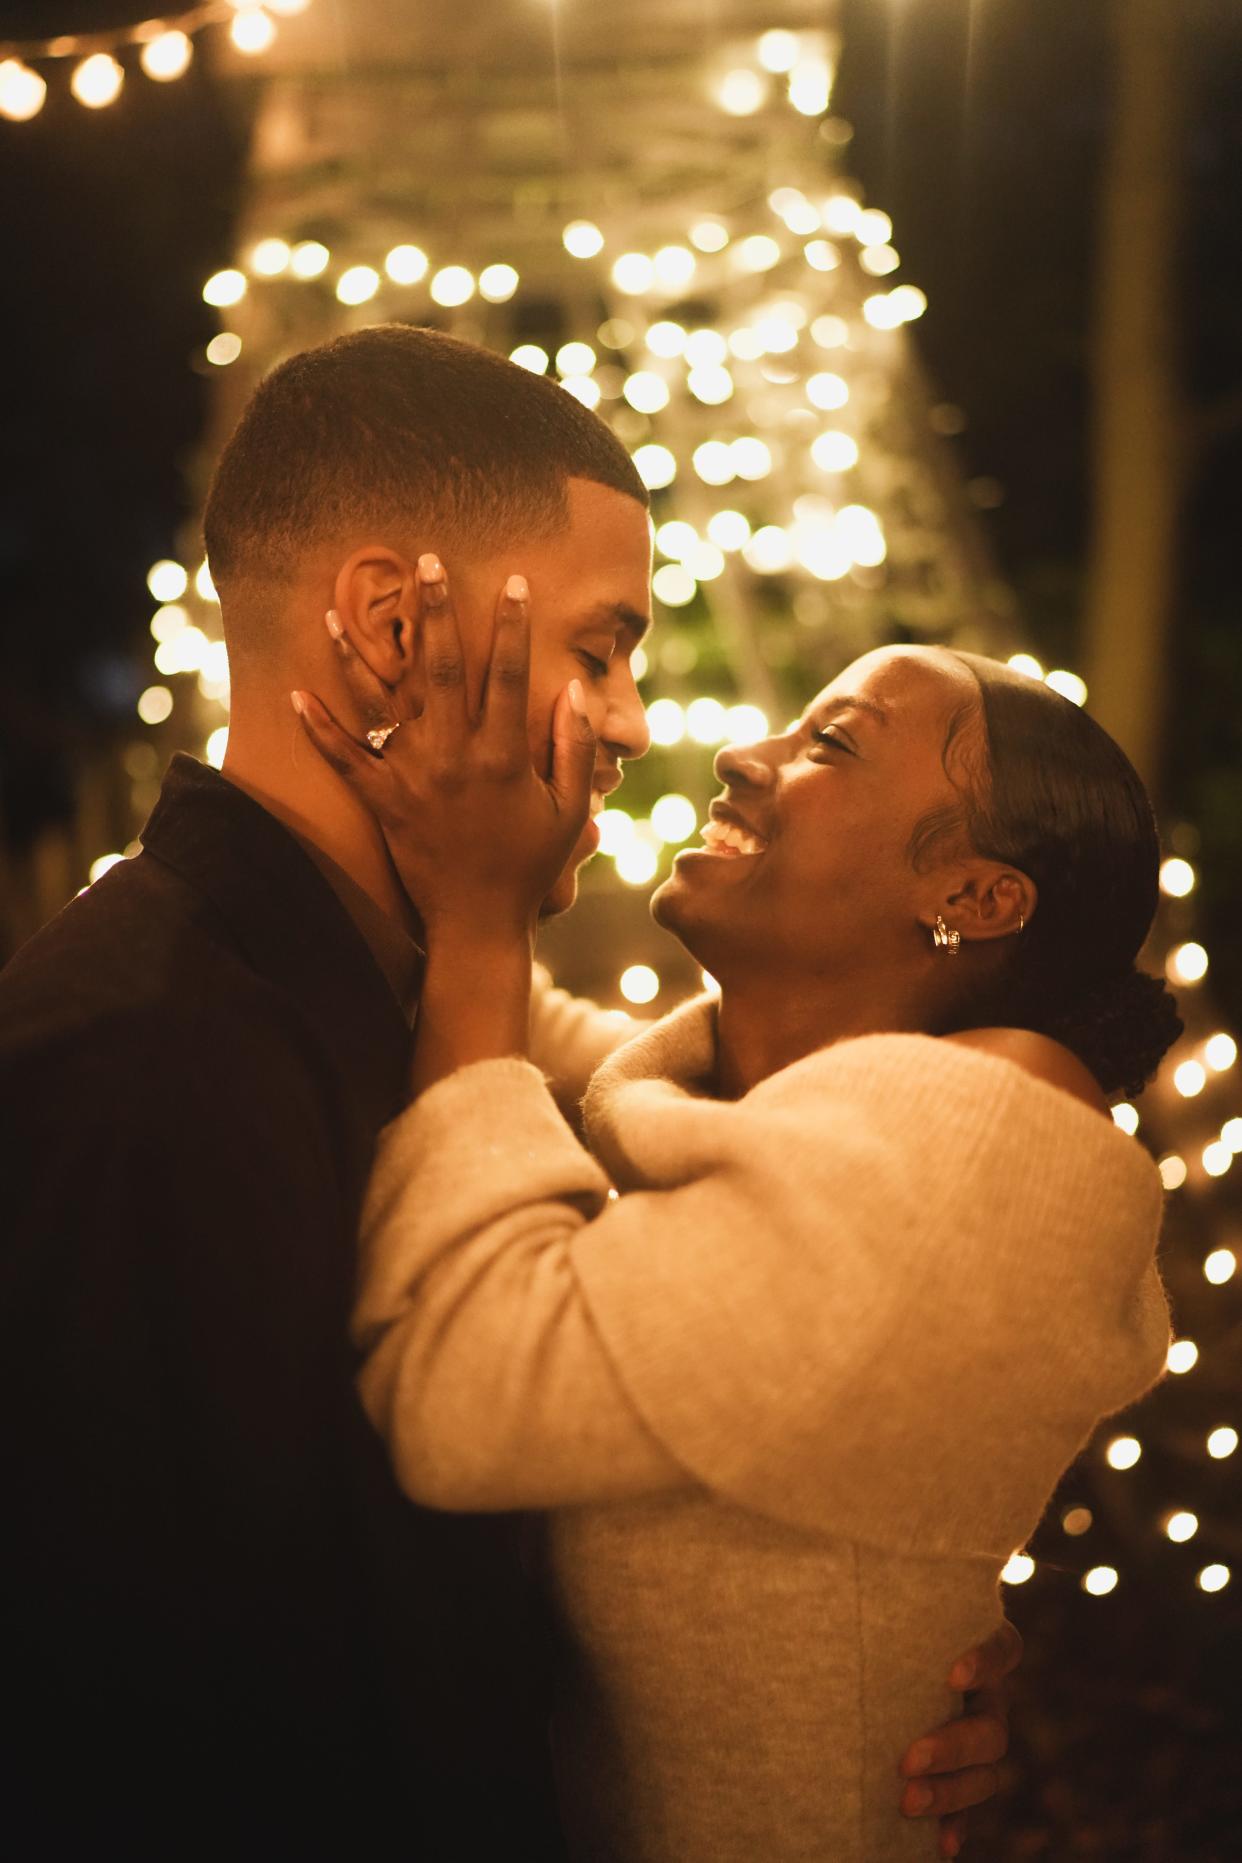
column 739, row 764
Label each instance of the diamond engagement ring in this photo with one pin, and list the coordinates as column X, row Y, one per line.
column 380, row 736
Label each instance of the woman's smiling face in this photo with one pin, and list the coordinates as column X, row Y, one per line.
column 805, row 864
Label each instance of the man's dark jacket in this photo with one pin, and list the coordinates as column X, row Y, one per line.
column 224, row 1630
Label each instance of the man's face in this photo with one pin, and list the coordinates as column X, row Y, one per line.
column 590, row 603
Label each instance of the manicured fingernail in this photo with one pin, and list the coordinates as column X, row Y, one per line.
column 332, row 621
column 430, row 568
column 516, row 589
column 298, row 703
column 919, row 1758
column 961, row 1675
column 918, row 1798
column 577, row 698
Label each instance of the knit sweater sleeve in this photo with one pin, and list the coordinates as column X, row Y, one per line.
column 570, row 1036
column 896, row 1275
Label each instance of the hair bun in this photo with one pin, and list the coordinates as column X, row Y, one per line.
column 1121, row 1030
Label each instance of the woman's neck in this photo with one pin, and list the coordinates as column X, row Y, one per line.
column 766, row 1027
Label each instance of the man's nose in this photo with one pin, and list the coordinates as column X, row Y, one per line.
column 626, row 732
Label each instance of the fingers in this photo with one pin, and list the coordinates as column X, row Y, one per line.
column 445, row 715
column 358, row 767
column 573, row 752
column 507, row 691
column 936, row 1798
column 372, row 699
column 952, row 1834
column 978, row 1739
column 989, row 1662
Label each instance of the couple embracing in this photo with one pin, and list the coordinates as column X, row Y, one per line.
column 437, row 1426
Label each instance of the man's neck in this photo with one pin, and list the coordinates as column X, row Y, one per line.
column 281, row 770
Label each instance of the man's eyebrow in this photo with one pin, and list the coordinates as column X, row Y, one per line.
column 863, row 705
column 620, row 614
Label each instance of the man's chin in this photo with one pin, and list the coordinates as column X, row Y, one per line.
column 563, row 895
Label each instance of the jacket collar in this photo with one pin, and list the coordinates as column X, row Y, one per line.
column 289, row 923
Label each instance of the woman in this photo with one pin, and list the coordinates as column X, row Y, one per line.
column 880, row 1259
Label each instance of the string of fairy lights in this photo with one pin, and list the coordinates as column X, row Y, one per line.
column 721, row 418
column 164, row 50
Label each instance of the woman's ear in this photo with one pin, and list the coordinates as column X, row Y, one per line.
column 375, row 594
column 990, row 901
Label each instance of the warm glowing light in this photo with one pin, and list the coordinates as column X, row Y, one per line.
column 705, row 349
column 217, row 744
column 728, row 530
column 834, row 451
column 1018, row 1568
column 633, row 273
column 1123, row 1452
column 582, row 239
column 705, row 562
column 666, row 721
column 872, row 228
column 1177, row 878
column 1076, row 1521
column 1220, row 1266
column 358, row 284
column 656, row 467
column 1187, row 963
column 776, row 334
column 1220, row 1052
column 155, row 705
column 879, row 261
column 745, row 724
column 709, row 235
column 166, row 56
column 104, row 864
column 646, row 391
column 1190, row 1078
column 859, row 530
column 674, row 585
column 204, row 587
column 810, row 86
column 676, row 539
column 841, row 214
column 309, row 259
column 1231, row 1133
column 713, row 461
column 666, row 339
column 779, row 51
column 1172, row 1171
column 252, row 30
column 270, row 257
column 712, row 386
column 827, row 391
column 795, row 210
column 497, row 283
column 575, row 359
column 1181, row 1526
column 22, row 91
column 1217, row 1158
column 830, row 332
column 167, row 621
column 224, row 348
column 97, row 81
column 822, row 256
column 758, row 253
column 1026, row 663
column 1212, row 1578
column 1069, row 685
column 674, row 267
column 639, row 664
column 616, row 828
column 452, row 285
column 583, row 388
column 226, row 287
column 881, row 313
column 636, row 863
column 741, row 92
column 407, row 265
column 1183, row 1356
column 167, row 581
column 1222, row 1442
column 674, row 818
column 751, row 458
column 530, row 356
column 1100, row 1580
column 639, row 984
column 1126, row 1117
column 907, row 302
column 707, row 721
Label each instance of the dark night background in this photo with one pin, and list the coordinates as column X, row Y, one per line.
column 984, row 142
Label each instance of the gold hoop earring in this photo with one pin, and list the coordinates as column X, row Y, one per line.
column 946, row 938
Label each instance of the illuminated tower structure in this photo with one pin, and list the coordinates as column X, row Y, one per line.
column 657, row 213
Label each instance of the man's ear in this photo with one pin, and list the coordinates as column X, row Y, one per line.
column 990, row 901
column 376, row 596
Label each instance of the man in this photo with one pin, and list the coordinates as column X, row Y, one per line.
column 225, row 1631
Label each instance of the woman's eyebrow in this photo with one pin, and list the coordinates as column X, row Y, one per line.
column 862, row 705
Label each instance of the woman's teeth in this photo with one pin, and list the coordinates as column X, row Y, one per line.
column 727, row 839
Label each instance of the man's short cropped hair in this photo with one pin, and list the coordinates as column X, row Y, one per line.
column 405, row 431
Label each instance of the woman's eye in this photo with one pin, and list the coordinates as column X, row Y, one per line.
column 597, row 668
column 827, row 735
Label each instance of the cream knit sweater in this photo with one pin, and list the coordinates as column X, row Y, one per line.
column 794, row 1397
